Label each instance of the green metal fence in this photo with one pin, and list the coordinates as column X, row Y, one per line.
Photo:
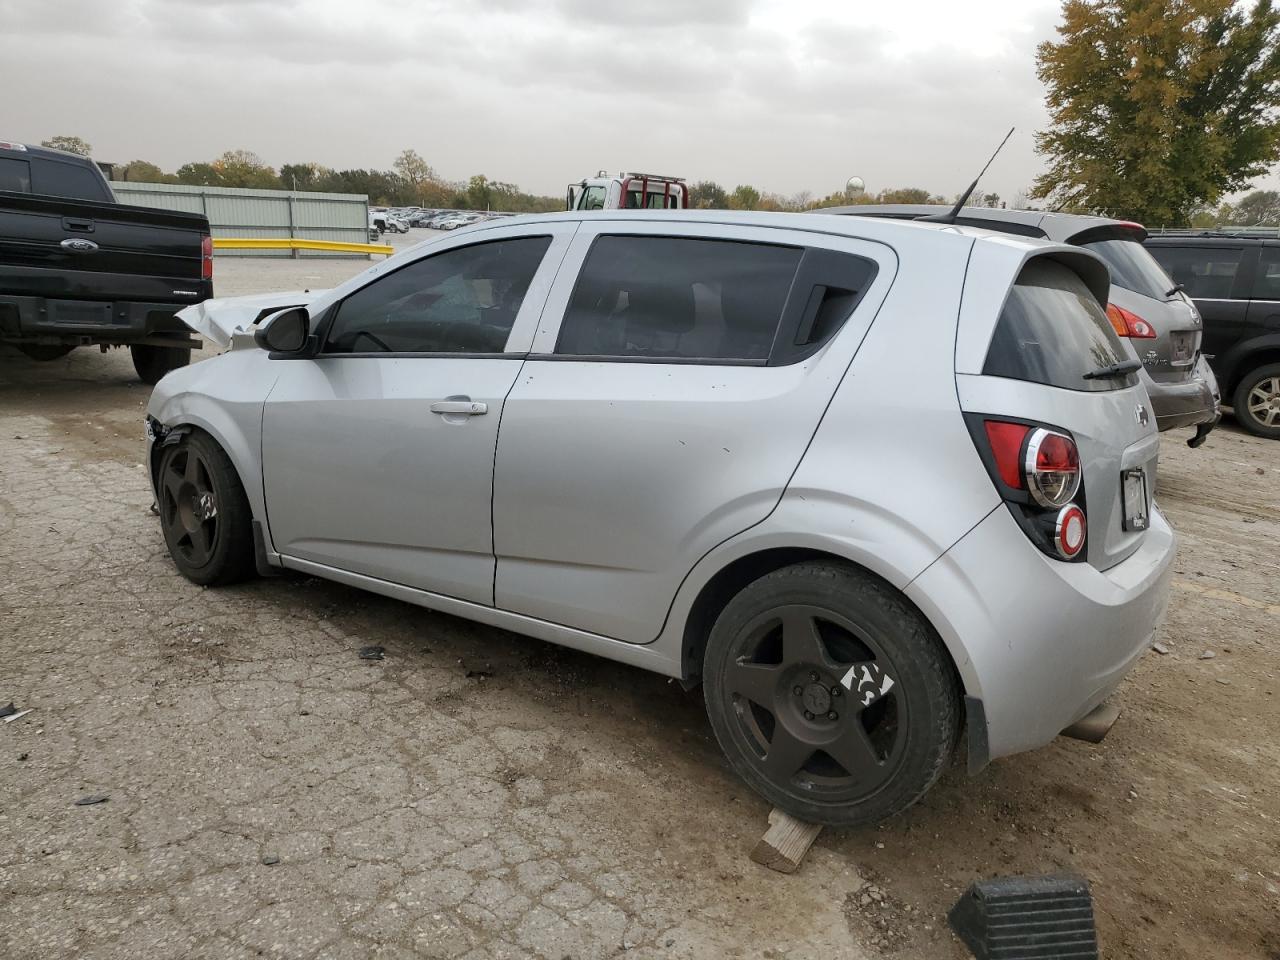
column 262, row 214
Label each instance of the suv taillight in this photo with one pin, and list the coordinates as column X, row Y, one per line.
column 206, row 257
column 1036, row 468
column 1129, row 324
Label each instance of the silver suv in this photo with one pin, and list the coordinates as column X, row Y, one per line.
column 1159, row 325
column 875, row 484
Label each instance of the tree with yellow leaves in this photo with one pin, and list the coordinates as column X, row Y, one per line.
column 1158, row 107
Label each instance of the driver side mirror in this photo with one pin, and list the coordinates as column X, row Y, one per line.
column 285, row 332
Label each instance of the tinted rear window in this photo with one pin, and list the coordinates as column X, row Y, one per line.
column 15, row 175
column 1205, row 272
column 54, row 178
column 1053, row 331
column 1133, row 268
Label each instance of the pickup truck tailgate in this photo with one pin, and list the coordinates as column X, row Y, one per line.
column 100, row 251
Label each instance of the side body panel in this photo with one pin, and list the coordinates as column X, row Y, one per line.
column 614, row 478
column 363, row 470
column 360, row 474
column 891, row 478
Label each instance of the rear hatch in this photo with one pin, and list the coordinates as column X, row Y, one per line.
column 1140, row 287
column 1051, row 375
column 72, row 250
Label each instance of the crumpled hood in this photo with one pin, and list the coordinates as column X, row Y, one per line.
column 221, row 319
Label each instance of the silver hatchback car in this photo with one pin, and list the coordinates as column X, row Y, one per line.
column 879, row 486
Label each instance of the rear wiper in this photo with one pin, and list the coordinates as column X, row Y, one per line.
column 1177, row 288
column 1121, row 369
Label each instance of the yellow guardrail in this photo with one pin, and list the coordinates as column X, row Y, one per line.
column 293, row 243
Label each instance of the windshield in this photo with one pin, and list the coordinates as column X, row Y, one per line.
column 1133, row 268
column 1053, row 331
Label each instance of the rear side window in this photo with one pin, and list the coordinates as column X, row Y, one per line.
column 463, row 300
column 1266, row 285
column 1133, row 268
column 56, row 179
column 1053, row 331
column 1205, row 272
column 678, row 298
column 15, row 175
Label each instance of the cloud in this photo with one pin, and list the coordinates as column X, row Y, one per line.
column 540, row 92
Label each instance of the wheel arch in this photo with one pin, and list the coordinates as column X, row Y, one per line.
column 224, row 430
column 1245, row 358
column 736, row 574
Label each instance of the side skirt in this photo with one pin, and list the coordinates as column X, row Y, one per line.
column 636, row 655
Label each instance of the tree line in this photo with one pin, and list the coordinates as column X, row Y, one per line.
column 413, row 181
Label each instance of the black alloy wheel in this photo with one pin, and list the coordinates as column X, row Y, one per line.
column 204, row 513
column 830, row 695
column 816, row 702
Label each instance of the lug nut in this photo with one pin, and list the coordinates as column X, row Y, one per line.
column 813, row 677
column 798, row 691
column 833, row 715
column 808, row 715
column 836, row 691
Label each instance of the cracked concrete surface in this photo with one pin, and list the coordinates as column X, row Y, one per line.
column 564, row 806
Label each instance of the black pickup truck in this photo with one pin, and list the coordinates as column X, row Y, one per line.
column 77, row 268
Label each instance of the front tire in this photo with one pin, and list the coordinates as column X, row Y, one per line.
column 830, row 695
column 152, row 362
column 204, row 513
column 1257, row 401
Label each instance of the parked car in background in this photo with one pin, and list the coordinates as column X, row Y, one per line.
column 709, row 467
column 79, row 269
column 1234, row 281
column 1159, row 326
column 458, row 220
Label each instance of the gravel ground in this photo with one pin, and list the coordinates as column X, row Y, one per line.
column 481, row 794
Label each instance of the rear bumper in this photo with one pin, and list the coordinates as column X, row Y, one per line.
column 1041, row 643
column 1185, row 404
column 39, row 320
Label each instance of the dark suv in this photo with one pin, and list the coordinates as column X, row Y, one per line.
column 1234, row 279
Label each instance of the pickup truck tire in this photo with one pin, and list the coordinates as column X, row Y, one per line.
column 1257, row 401
column 152, row 363
column 45, row 352
column 830, row 695
column 204, row 513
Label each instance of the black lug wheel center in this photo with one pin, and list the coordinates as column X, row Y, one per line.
column 816, row 698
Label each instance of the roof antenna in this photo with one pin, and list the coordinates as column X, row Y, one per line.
column 951, row 216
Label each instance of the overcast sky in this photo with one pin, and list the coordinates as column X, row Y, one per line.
column 787, row 96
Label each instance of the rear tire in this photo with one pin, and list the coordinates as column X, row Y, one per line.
column 152, row 363
column 1257, row 401
column 204, row 513
column 830, row 695
column 44, row 352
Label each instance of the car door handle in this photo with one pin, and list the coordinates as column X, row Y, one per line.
column 467, row 408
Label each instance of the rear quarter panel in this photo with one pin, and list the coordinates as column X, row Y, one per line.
column 891, row 478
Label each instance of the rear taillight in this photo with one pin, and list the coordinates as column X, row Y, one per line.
column 1051, row 468
column 206, row 258
column 1037, row 470
column 1006, row 446
column 1069, row 531
column 1129, row 324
